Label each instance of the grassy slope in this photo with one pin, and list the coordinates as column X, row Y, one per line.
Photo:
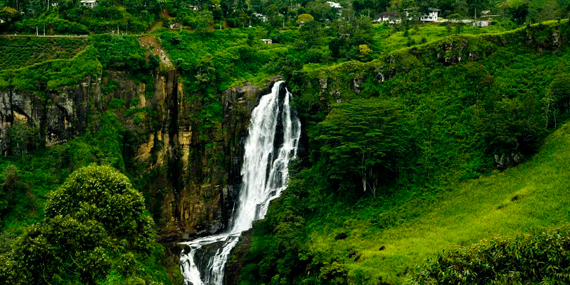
column 412, row 224
column 385, row 40
column 530, row 196
column 18, row 52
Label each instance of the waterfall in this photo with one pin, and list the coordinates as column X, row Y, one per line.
column 272, row 142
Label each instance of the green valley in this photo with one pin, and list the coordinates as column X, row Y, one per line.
column 284, row 142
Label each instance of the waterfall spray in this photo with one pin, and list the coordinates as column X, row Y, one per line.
column 272, row 142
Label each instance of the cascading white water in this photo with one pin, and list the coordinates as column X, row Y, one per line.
column 264, row 174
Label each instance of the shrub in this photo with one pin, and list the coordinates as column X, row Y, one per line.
column 23, row 137
column 93, row 219
column 541, row 257
column 103, row 194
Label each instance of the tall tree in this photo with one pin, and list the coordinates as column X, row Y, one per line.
column 364, row 140
column 95, row 224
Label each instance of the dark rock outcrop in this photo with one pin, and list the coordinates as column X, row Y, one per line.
column 195, row 176
column 237, row 260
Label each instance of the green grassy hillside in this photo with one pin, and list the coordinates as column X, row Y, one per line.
column 17, row 52
column 425, row 128
column 387, row 40
column 389, row 239
column 530, row 196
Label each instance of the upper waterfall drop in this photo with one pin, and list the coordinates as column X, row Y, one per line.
column 272, row 142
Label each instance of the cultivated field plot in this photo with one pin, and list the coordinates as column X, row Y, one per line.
column 17, row 52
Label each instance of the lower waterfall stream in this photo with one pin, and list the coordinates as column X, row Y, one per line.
column 274, row 133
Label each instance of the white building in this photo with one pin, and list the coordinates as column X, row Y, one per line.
column 388, row 17
column 89, row 3
column 267, row 41
column 432, row 15
column 334, row 5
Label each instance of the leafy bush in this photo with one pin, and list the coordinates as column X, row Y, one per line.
column 23, row 137
column 539, row 258
column 92, row 221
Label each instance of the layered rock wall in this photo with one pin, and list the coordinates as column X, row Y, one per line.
column 189, row 185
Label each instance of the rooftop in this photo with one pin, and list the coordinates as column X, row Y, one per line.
column 334, row 4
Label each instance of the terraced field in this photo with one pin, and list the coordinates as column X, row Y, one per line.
column 17, row 52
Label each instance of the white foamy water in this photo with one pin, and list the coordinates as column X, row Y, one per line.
column 264, row 177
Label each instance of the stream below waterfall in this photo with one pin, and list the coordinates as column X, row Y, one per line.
column 272, row 142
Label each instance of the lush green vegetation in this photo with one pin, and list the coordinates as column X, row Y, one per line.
column 17, row 52
column 212, row 62
column 70, row 17
column 458, row 121
column 371, row 240
column 112, row 16
column 386, row 39
column 96, row 230
column 32, row 171
column 51, row 74
column 539, row 258
column 407, row 128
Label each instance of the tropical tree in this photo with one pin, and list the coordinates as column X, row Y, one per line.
column 519, row 13
column 23, row 137
column 557, row 99
column 509, row 128
column 94, row 219
column 7, row 14
column 364, row 140
column 13, row 191
column 312, row 34
column 304, row 18
column 201, row 21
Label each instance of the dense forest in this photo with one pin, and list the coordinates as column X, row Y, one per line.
column 431, row 152
column 133, row 16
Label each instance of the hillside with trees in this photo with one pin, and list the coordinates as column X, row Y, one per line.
column 431, row 152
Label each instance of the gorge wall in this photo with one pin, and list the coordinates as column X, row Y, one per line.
column 189, row 185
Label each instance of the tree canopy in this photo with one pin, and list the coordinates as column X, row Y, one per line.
column 95, row 225
column 365, row 139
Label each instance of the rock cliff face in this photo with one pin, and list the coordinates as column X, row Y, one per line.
column 57, row 116
column 209, row 172
column 189, row 185
column 237, row 259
